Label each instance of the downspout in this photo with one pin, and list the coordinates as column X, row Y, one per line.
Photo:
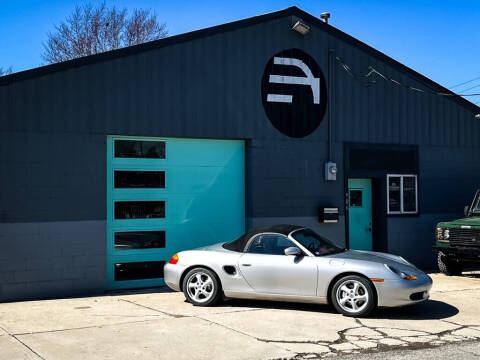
column 330, row 103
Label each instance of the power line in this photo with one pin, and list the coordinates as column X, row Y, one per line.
column 371, row 70
column 470, row 88
column 466, row 82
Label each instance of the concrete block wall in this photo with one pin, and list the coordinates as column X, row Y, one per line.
column 52, row 259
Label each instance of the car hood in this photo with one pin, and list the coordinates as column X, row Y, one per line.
column 473, row 221
column 372, row 256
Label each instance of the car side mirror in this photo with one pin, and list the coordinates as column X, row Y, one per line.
column 294, row 251
column 465, row 210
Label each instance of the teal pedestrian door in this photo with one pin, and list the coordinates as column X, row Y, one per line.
column 165, row 195
column 360, row 213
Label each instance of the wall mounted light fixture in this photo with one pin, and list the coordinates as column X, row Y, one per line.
column 301, row 28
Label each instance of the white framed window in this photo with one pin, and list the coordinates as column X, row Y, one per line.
column 402, row 194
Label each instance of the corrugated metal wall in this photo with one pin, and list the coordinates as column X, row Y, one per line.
column 210, row 87
column 53, row 146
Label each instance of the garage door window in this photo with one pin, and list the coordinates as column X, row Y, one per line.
column 402, row 194
column 132, row 240
column 140, row 149
column 127, row 179
column 139, row 209
column 138, row 270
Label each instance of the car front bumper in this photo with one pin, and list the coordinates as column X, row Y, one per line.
column 471, row 253
column 172, row 274
column 402, row 292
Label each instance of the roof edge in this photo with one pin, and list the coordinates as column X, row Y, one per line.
column 132, row 50
column 385, row 58
column 192, row 35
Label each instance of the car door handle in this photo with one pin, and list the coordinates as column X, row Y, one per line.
column 246, row 264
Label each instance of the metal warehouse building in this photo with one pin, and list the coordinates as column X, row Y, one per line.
column 113, row 162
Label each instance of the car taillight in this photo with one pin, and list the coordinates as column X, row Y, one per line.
column 174, row 259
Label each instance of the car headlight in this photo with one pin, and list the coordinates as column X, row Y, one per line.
column 439, row 233
column 446, row 234
column 401, row 274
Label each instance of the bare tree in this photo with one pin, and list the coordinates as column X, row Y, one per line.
column 92, row 29
column 5, row 71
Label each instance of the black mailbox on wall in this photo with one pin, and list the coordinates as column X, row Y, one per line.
column 328, row 215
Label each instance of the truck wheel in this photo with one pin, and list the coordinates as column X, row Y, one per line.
column 448, row 266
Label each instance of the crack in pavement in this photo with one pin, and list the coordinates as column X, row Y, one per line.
column 14, row 336
column 237, row 331
column 381, row 341
column 81, row 327
column 153, row 309
column 184, row 316
column 28, row 347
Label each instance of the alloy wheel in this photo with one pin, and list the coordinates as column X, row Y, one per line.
column 200, row 287
column 352, row 296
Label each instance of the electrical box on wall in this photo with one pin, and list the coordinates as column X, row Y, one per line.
column 328, row 215
column 331, row 171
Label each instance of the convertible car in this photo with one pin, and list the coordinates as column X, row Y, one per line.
column 292, row 263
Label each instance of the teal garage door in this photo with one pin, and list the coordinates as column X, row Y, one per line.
column 165, row 195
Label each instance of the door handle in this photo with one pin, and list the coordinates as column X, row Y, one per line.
column 246, row 264
column 369, row 229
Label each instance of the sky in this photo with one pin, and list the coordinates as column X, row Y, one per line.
column 438, row 38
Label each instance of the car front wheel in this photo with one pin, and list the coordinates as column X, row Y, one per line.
column 201, row 287
column 353, row 296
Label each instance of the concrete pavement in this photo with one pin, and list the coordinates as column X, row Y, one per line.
column 161, row 325
column 468, row 350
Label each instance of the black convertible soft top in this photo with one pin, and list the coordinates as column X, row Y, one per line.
column 240, row 243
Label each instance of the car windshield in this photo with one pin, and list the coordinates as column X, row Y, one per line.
column 476, row 204
column 316, row 244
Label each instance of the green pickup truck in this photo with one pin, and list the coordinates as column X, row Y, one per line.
column 458, row 241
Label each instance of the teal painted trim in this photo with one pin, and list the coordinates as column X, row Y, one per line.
column 202, row 179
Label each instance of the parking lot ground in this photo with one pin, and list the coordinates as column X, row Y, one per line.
column 158, row 324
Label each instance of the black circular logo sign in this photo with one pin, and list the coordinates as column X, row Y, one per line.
column 294, row 93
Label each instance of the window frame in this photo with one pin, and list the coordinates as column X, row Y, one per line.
column 402, row 211
column 140, row 201
column 124, row 169
column 141, row 250
column 133, row 139
column 350, row 198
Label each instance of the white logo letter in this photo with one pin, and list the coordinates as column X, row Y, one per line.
column 311, row 81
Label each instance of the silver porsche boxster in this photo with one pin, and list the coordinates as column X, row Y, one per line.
column 292, row 263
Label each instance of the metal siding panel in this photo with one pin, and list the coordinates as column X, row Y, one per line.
column 461, row 128
column 420, row 119
column 448, row 124
column 476, row 132
column 103, row 90
column 411, row 118
column 470, row 131
column 5, row 117
column 210, row 87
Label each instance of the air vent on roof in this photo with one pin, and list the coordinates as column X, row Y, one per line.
column 325, row 16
